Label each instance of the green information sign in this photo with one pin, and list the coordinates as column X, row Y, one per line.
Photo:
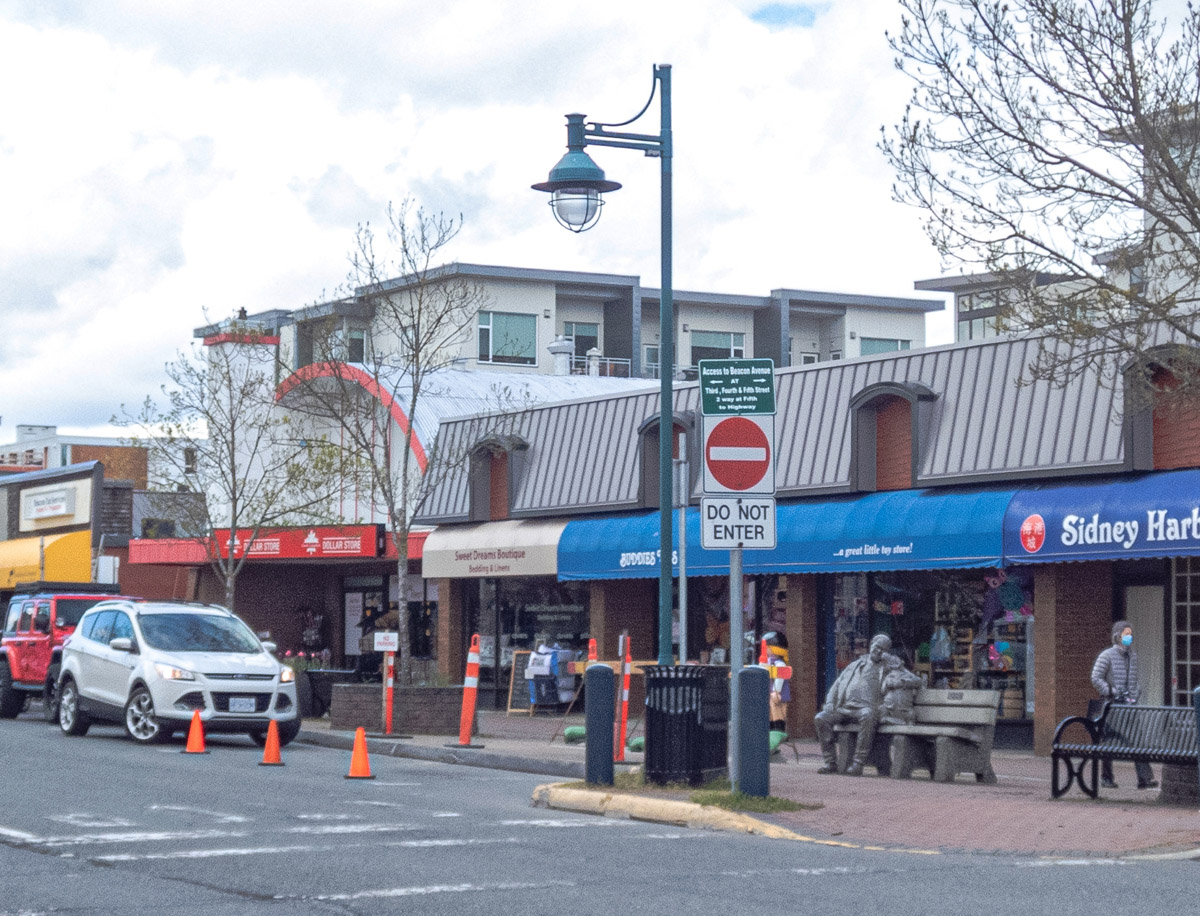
column 737, row 386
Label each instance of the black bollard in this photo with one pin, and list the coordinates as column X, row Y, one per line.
column 1196, row 706
column 754, row 690
column 599, row 688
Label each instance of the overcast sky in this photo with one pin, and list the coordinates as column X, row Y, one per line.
column 164, row 160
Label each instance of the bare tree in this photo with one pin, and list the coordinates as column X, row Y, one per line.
column 1054, row 144
column 421, row 319
column 219, row 456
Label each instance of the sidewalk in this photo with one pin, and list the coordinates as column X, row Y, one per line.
column 1014, row 816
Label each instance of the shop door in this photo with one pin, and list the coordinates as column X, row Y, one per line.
column 1144, row 611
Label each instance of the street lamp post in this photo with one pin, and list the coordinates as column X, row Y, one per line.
column 576, row 185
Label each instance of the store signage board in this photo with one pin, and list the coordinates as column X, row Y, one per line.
column 386, row 641
column 728, row 522
column 736, row 387
column 739, row 455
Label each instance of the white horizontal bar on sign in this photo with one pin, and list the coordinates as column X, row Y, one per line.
column 736, row 453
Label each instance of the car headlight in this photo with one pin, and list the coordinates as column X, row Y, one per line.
column 170, row 673
column 286, row 674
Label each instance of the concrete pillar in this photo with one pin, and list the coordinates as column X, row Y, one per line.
column 803, row 653
column 1073, row 614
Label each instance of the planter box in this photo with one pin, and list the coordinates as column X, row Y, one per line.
column 415, row 710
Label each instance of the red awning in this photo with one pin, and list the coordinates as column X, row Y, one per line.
column 303, row 543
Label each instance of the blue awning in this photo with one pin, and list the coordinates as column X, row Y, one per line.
column 904, row 529
column 626, row 547
column 1153, row 515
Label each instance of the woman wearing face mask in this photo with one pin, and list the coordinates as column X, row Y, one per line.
column 1115, row 677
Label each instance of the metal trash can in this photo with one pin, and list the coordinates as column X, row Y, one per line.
column 687, row 723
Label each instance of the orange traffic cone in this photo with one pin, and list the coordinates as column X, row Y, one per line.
column 592, row 656
column 271, row 757
column 360, row 763
column 195, row 744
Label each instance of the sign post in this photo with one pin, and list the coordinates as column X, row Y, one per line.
column 737, row 399
column 388, row 643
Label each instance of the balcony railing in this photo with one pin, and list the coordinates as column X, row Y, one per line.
column 604, row 366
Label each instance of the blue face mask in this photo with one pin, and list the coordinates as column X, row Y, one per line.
column 1127, row 639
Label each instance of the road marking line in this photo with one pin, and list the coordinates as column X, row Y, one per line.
column 90, row 820
column 345, row 829
column 445, row 814
column 222, row 818
column 326, row 817
column 429, row 890
column 598, row 822
column 20, row 835
column 277, row 850
column 97, row 838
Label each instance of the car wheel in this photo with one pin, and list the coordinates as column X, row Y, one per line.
column 12, row 701
column 139, row 719
column 50, row 694
column 71, row 719
column 287, row 733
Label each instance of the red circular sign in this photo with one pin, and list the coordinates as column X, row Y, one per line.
column 737, row 453
column 1033, row 533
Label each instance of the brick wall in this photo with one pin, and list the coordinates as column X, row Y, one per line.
column 893, row 444
column 631, row 605
column 802, row 654
column 452, row 659
column 1073, row 617
column 415, row 710
column 1177, row 435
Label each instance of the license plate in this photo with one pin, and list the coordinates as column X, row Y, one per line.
column 242, row 704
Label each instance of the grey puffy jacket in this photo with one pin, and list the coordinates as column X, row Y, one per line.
column 1115, row 674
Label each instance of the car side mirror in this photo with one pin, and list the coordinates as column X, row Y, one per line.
column 121, row 644
column 269, row 646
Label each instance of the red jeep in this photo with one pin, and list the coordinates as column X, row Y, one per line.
column 40, row 616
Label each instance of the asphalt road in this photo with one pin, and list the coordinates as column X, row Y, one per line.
column 99, row 825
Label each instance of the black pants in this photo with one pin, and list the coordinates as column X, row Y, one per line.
column 1144, row 773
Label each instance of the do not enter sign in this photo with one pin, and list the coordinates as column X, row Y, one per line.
column 739, row 454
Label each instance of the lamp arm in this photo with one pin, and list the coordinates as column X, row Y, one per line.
column 600, row 125
column 632, row 141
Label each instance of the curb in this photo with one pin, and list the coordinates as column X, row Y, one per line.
column 391, row 747
column 679, row 814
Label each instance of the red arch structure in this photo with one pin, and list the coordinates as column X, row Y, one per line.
column 368, row 384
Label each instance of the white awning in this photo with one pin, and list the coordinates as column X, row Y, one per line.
column 512, row 547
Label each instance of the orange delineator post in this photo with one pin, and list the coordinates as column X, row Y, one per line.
column 389, row 680
column 626, row 667
column 763, row 657
column 470, row 688
column 592, row 656
column 195, row 742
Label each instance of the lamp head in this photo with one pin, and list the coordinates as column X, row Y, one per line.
column 576, row 183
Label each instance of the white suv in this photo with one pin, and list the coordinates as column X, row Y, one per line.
column 153, row 664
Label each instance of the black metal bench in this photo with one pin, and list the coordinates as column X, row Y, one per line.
column 1154, row 734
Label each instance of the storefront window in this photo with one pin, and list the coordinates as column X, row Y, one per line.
column 958, row 629
column 522, row 613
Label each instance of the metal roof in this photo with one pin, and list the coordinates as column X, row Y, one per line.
column 987, row 422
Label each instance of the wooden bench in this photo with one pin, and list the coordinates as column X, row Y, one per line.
column 952, row 733
column 1154, row 734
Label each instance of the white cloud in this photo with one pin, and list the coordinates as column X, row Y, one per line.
column 163, row 159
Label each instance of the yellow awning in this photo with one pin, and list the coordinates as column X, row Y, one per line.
column 55, row 558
